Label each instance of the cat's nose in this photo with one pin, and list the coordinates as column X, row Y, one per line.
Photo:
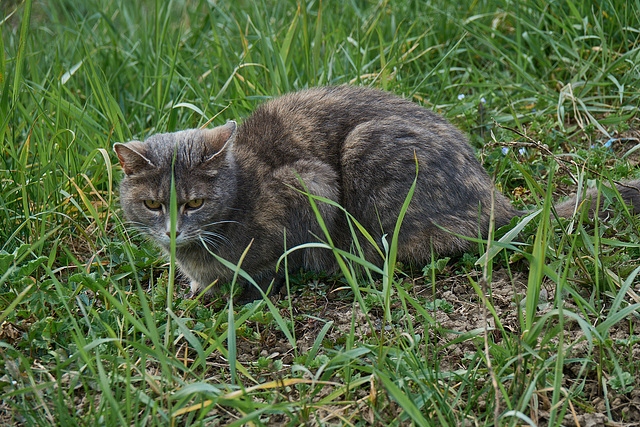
column 168, row 233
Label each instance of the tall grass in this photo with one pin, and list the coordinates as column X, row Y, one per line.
column 91, row 330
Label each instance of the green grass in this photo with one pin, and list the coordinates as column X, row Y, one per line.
column 91, row 332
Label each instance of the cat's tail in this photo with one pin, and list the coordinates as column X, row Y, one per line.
column 629, row 191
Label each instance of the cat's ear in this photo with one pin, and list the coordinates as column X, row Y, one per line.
column 131, row 158
column 220, row 139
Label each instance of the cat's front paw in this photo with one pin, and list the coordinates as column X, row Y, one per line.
column 194, row 290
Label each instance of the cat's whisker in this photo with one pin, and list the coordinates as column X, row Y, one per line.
column 210, row 234
column 209, row 241
column 136, row 224
column 221, row 222
column 209, row 244
column 133, row 233
column 124, row 228
column 215, row 236
column 136, row 231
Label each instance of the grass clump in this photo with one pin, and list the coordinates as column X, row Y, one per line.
column 539, row 327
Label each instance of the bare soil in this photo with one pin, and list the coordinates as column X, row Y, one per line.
column 506, row 293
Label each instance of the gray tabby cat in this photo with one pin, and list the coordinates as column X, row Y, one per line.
column 356, row 146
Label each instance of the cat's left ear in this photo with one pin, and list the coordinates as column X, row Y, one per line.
column 220, row 139
column 131, row 157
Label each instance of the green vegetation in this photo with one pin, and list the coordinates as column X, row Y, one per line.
column 86, row 335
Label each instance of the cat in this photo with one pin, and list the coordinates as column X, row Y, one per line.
column 241, row 185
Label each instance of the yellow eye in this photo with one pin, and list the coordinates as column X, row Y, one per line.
column 152, row 204
column 195, row 203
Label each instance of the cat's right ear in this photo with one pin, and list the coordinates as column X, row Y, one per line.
column 131, row 158
column 220, row 139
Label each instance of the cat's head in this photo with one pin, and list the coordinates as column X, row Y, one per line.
column 203, row 168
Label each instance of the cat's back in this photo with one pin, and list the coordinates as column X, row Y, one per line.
column 315, row 122
column 345, row 105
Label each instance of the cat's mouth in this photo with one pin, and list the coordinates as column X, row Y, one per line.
column 181, row 241
column 208, row 240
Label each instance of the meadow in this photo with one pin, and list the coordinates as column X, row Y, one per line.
column 539, row 326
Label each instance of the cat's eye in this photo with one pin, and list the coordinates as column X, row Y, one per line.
column 152, row 204
column 195, row 203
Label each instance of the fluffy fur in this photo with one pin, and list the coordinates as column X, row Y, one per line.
column 355, row 146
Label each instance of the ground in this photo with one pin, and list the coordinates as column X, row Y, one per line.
column 463, row 313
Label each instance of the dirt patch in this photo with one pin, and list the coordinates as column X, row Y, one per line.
column 463, row 312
